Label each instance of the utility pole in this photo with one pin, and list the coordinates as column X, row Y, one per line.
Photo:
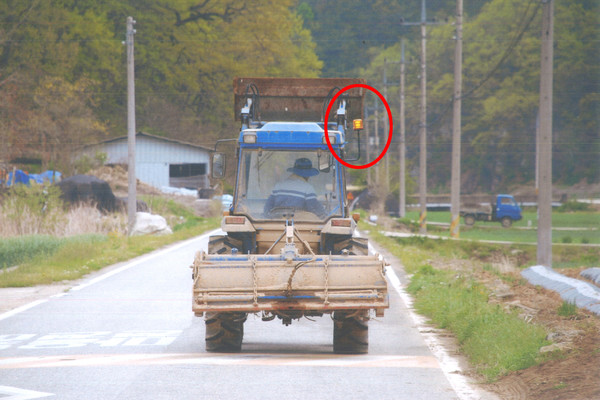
column 402, row 144
column 377, row 172
column 423, row 127
column 386, row 130
column 131, row 191
column 386, row 120
column 423, row 121
column 544, row 244
column 368, row 133
column 456, row 126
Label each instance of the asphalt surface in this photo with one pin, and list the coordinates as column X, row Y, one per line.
column 129, row 333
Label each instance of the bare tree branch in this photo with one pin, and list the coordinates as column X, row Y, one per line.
column 202, row 12
column 23, row 18
column 8, row 79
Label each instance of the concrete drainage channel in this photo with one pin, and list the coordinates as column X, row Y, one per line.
column 580, row 293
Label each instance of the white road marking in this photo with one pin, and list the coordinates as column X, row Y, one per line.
column 13, row 393
column 67, row 340
column 248, row 359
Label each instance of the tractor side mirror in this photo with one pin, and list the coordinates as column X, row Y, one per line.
column 352, row 152
column 217, row 166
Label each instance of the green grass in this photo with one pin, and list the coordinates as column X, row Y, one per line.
column 579, row 219
column 16, row 250
column 80, row 255
column 586, row 226
column 496, row 342
column 567, row 309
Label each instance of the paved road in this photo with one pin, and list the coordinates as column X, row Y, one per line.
column 129, row 333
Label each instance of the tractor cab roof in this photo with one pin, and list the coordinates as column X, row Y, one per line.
column 300, row 135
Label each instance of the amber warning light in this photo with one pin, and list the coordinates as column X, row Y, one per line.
column 357, row 124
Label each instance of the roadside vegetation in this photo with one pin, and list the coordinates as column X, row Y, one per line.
column 447, row 284
column 66, row 244
column 580, row 227
column 495, row 341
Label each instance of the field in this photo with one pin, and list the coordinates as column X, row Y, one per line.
column 567, row 228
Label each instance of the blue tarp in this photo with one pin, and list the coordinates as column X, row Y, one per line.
column 24, row 178
column 19, row 177
column 46, row 176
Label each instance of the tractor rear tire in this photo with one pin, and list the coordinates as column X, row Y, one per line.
column 224, row 331
column 351, row 332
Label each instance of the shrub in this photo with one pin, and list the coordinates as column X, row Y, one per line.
column 573, row 205
column 567, row 309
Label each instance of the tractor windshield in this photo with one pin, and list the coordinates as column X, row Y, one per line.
column 287, row 184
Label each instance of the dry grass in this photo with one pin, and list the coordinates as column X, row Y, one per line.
column 20, row 220
column 87, row 219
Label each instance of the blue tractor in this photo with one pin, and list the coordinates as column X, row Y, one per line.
column 289, row 247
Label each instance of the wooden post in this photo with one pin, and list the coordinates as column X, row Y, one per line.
column 131, row 192
column 544, row 248
column 402, row 144
column 423, row 128
column 456, row 126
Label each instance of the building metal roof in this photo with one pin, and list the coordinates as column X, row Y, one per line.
column 144, row 134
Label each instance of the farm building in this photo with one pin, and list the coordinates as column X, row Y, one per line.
column 159, row 161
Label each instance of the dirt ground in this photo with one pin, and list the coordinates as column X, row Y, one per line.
column 571, row 366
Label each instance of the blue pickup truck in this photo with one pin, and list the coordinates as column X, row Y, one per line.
column 505, row 210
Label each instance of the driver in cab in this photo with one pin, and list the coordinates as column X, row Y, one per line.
column 295, row 192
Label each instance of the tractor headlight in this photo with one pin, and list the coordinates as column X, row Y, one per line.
column 250, row 138
column 332, row 139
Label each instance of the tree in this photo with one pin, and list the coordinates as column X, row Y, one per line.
column 61, row 117
column 187, row 53
column 500, row 94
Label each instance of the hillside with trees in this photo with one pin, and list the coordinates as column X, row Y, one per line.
column 63, row 76
column 501, row 64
